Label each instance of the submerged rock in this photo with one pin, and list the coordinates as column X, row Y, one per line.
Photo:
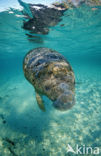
column 51, row 75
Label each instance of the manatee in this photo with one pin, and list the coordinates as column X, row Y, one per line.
column 51, row 75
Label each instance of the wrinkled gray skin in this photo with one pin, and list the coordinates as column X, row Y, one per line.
column 51, row 75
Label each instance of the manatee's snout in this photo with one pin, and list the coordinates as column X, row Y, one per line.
column 65, row 101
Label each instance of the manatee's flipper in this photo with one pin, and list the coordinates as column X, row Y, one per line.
column 40, row 102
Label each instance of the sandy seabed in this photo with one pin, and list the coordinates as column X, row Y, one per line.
column 27, row 131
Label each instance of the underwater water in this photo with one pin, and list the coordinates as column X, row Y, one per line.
column 24, row 129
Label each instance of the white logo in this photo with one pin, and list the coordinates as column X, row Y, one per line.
column 83, row 150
